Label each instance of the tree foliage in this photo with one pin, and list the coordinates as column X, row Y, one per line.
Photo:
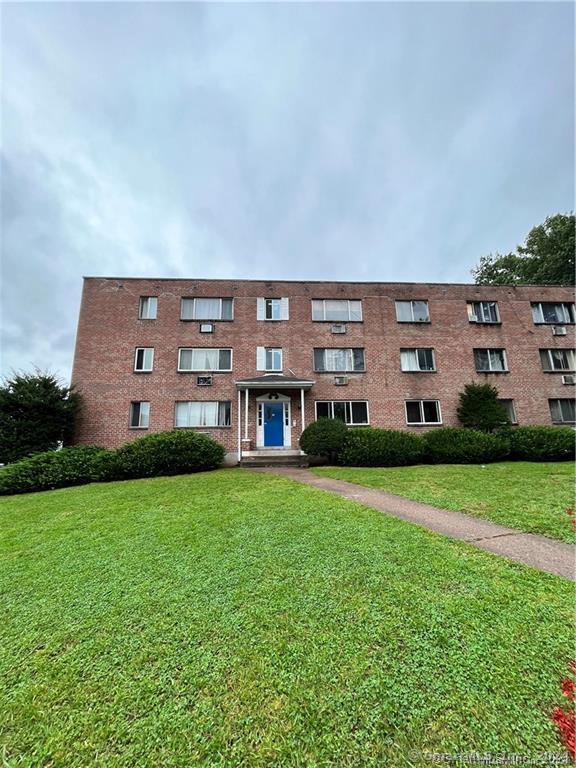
column 479, row 408
column 547, row 257
column 36, row 414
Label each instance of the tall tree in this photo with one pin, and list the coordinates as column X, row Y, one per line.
column 36, row 414
column 547, row 257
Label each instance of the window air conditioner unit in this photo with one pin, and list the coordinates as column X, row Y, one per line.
column 340, row 381
column 558, row 330
column 338, row 328
column 569, row 379
column 204, row 381
column 206, row 327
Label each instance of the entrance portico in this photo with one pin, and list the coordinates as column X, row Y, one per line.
column 273, row 414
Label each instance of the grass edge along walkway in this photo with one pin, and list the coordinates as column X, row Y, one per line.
column 529, row 496
column 540, row 552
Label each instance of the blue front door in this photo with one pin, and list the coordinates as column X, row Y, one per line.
column 273, row 424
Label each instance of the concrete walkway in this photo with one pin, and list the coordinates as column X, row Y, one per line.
column 540, row 552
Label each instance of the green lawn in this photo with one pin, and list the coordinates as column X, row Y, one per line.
column 234, row 619
column 529, row 496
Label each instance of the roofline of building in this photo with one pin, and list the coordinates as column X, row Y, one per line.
column 323, row 282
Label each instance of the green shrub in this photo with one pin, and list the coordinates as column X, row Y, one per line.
column 458, row 445
column 479, row 408
column 371, row 447
column 176, row 452
column 324, row 437
column 51, row 469
column 541, row 443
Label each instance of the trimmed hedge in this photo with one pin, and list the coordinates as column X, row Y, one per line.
column 51, row 469
column 324, row 437
column 542, row 443
column 162, row 453
column 176, row 452
column 372, row 447
column 458, row 445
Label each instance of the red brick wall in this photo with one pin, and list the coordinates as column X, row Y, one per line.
column 109, row 330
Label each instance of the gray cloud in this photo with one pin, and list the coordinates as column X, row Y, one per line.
column 347, row 141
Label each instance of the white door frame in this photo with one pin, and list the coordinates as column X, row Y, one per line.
column 286, row 415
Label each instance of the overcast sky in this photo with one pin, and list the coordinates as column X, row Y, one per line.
column 377, row 141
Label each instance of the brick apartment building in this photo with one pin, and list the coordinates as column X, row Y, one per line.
column 252, row 362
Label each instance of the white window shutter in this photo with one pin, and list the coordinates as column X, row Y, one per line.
column 260, row 309
column 284, row 312
column 261, row 358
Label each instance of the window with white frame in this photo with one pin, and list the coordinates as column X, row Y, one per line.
column 490, row 360
column 268, row 359
column 139, row 415
column 206, row 309
column 417, row 359
column 412, row 311
column 202, row 414
column 550, row 312
column 563, row 410
column 560, row 360
column 339, row 360
column 272, row 309
column 423, row 412
column 337, row 310
column 352, row 412
column 204, row 359
column 144, row 359
column 147, row 308
column 483, row 312
column 510, row 409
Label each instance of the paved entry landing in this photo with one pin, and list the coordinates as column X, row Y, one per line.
column 540, row 552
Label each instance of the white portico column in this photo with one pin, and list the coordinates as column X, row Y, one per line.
column 302, row 408
column 246, row 414
column 239, row 425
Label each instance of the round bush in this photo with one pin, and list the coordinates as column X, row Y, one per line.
column 458, row 445
column 176, row 452
column 51, row 469
column 324, row 437
column 541, row 443
column 371, row 447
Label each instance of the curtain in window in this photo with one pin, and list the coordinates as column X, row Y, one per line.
column 197, row 414
column 481, row 357
column 425, row 359
column 205, row 359
column 409, row 360
column 497, row 360
column 552, row 313
column 317, row 309
column 336, row 310
column 224, row 414
column 563, row 410
column 187, row 309
column 561, row 359
column 337, row 359
column 420, row 310
column 207, row 309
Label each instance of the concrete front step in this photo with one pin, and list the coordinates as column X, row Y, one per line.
column 294, row 460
